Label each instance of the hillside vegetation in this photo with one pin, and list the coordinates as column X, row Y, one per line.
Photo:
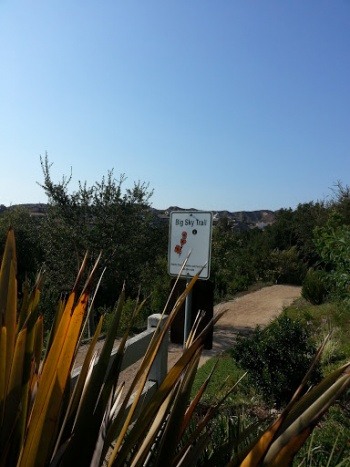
column 120, row 224
column 48, row 423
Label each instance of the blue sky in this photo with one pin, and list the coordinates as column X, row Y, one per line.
column 237, row 105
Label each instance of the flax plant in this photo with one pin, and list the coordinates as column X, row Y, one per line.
column 46, row 421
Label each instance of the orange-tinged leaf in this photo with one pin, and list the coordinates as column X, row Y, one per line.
column 142, row 373
column 314, row 394
column 153, row 430
column 3, row 347
column 14, row 391
column 153, row 405
column 32, row 357
column 286, row 454
column 9, row 317
column 42, row 436
column 93, row 395
column 309, row 418
column 173, row 428
column 261, row 447
column 16, row 373
column 79, row 388
column 7, row 264
column 157, row 340
column 197, row 398
column 57, row 319
column 85, row 368
column 23, row 312
column 291, row 412
column 29, row 304
column 34, row 328
column 64, row 366
column 170, row 379
column 38, row 341
column 50, row 363
column 68, row 351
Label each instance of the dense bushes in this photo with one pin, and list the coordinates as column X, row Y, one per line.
column 277, row 358
column 287, row 266
column 333, row 244
column 107, row 217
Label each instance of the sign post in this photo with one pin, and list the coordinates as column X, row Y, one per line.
column 189, row 233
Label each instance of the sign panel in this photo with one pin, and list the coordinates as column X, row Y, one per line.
column 190, row 231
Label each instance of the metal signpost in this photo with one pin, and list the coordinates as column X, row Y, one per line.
column 189, row 233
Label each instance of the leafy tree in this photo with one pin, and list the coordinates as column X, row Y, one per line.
column 341, row 201
column 156, row 284
column 281, row 232
column 286, row 267
column 333, row 245
column 225, row 246
column 102, row 218
column 291, row 241
column 256, row 250
column 238, row 259
column 307, row 217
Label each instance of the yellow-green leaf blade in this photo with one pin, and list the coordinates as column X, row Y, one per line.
column 47, row 426
column 13, row 394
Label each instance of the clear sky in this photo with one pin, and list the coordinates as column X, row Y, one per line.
column 217, row 104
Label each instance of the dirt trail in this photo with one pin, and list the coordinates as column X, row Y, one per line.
column 242, row 314
column 246, row 312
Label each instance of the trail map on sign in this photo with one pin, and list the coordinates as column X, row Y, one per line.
column 190, row 231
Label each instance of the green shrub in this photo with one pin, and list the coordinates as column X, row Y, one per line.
column 314, row 289
column 277, row 358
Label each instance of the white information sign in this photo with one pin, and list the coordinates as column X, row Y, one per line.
column 190, row 231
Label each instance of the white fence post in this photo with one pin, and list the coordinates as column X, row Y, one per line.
column 159, row 368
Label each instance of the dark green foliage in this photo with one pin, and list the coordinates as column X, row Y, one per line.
column 239, row 260
column 307, row 217
column 280, row 253
column 277, row 358
column 156, row 283
column 117, row 221
column 129, row 307
column 333, row 244
column 295, row 229
column 29, row 251
column 102, row 218
column 341, row 202
column 314, row 289
column 286, row 267
column 281, row 232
